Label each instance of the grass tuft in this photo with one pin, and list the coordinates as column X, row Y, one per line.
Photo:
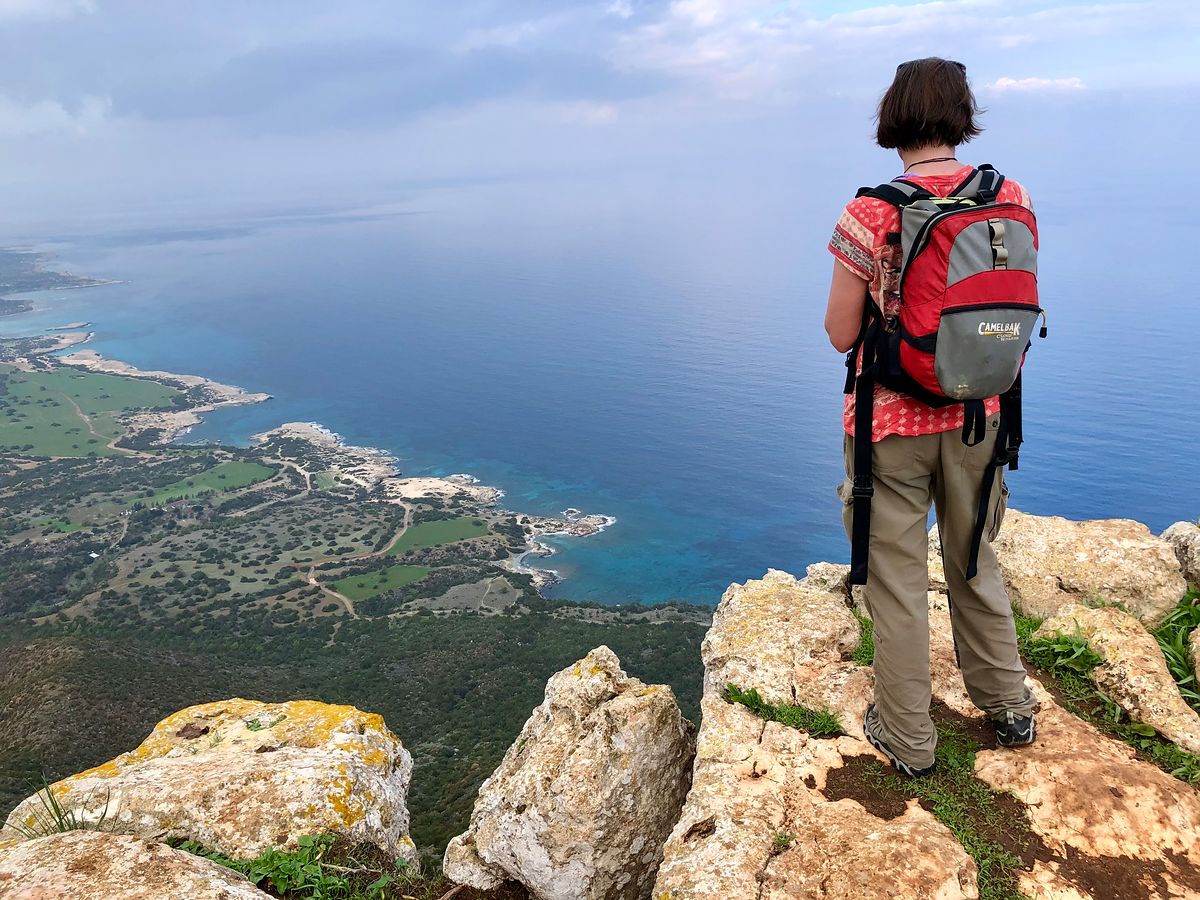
column 817, row 722
column 864, row 653
column 1172, row 636
column 321, row 868
column 51, row 817
column 783, row 841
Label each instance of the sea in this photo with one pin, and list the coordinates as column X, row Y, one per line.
column 655, row 355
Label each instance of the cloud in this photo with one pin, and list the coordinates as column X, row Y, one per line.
column 584, row 113
column 622, row 9
column 44, row 9
column 1037, row 84
column 49, row 116
column 758, row 51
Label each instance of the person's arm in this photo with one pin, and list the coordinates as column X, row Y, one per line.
column 844, row 315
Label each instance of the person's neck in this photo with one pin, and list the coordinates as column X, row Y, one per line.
column 917, row 157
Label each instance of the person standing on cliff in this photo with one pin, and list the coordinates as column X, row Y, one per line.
column 918, row 457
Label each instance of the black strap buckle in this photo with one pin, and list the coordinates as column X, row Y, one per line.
column 863, row 488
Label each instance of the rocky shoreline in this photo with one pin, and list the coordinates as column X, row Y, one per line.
column 371, row 468
column 571, row 523
column 377, row 470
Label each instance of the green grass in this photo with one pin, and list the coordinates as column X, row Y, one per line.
column 49, row 816
column 379, row 582
column 227, row 476
column 62, row 526
column 323, row 481
column 864, row 653
column 1069, row 660
column 965, row 805
column 38, row 415
column 322, row 868
column 1172, row 637
column 442, row 531
column 817, row 722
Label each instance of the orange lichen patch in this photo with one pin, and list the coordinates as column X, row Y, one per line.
column 373, row 756
column 225, row 726
column 347, row 809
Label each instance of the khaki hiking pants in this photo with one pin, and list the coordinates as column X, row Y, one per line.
column 910, row 474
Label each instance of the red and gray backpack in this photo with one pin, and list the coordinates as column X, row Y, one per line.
column 968, row 305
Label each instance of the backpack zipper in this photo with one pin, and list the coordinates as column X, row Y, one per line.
column 963, row 307
column 919, row 243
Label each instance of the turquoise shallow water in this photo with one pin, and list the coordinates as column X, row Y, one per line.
column 661, row 363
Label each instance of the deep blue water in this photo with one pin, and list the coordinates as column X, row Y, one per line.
column 661, row 361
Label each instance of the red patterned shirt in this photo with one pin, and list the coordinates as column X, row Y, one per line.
column 860, row 244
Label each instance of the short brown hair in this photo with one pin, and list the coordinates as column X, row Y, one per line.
column 929, row 103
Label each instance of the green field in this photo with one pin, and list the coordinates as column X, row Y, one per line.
column 68, row 412
column 227, row 476
column 443, row 531
column 323, row 481
column 373, row 584
column 62, row 526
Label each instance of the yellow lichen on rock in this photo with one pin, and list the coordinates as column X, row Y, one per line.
column 243, row 775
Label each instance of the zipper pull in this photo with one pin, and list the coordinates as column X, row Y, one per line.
column 1043, row 332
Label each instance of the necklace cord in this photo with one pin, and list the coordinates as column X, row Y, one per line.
column 932, row 160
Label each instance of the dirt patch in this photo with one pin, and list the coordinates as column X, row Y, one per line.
column 976, row 728
column 854, row 781
column 1118, row 877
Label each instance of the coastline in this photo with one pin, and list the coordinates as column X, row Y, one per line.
column 377, row 470
column 168, row 424
column 371, row 468
column 573, row 523
column 33, row 274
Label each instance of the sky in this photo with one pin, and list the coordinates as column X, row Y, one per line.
column 128, row 108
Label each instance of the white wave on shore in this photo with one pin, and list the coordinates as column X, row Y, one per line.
column 543, row 575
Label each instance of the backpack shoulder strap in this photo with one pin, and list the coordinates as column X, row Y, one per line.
column 983, row 183
column 898, row 193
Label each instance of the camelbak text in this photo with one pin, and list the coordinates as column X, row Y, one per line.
column 999, row 329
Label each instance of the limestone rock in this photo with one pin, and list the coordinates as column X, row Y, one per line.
column 582, row 802
column 758, row 823
column 91, row 865
column 849, row 853
column 1133, row 673
column 1185, row 538
column 790, row 639
column 240, row 776
column 1089, row 798
column 1050, row 562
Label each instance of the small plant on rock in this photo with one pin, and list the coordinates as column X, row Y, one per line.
column 817, row 722
column 321, row 868
column 51, row 817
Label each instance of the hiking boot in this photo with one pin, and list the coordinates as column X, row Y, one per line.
column 897, row 763
column 1014, row 730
